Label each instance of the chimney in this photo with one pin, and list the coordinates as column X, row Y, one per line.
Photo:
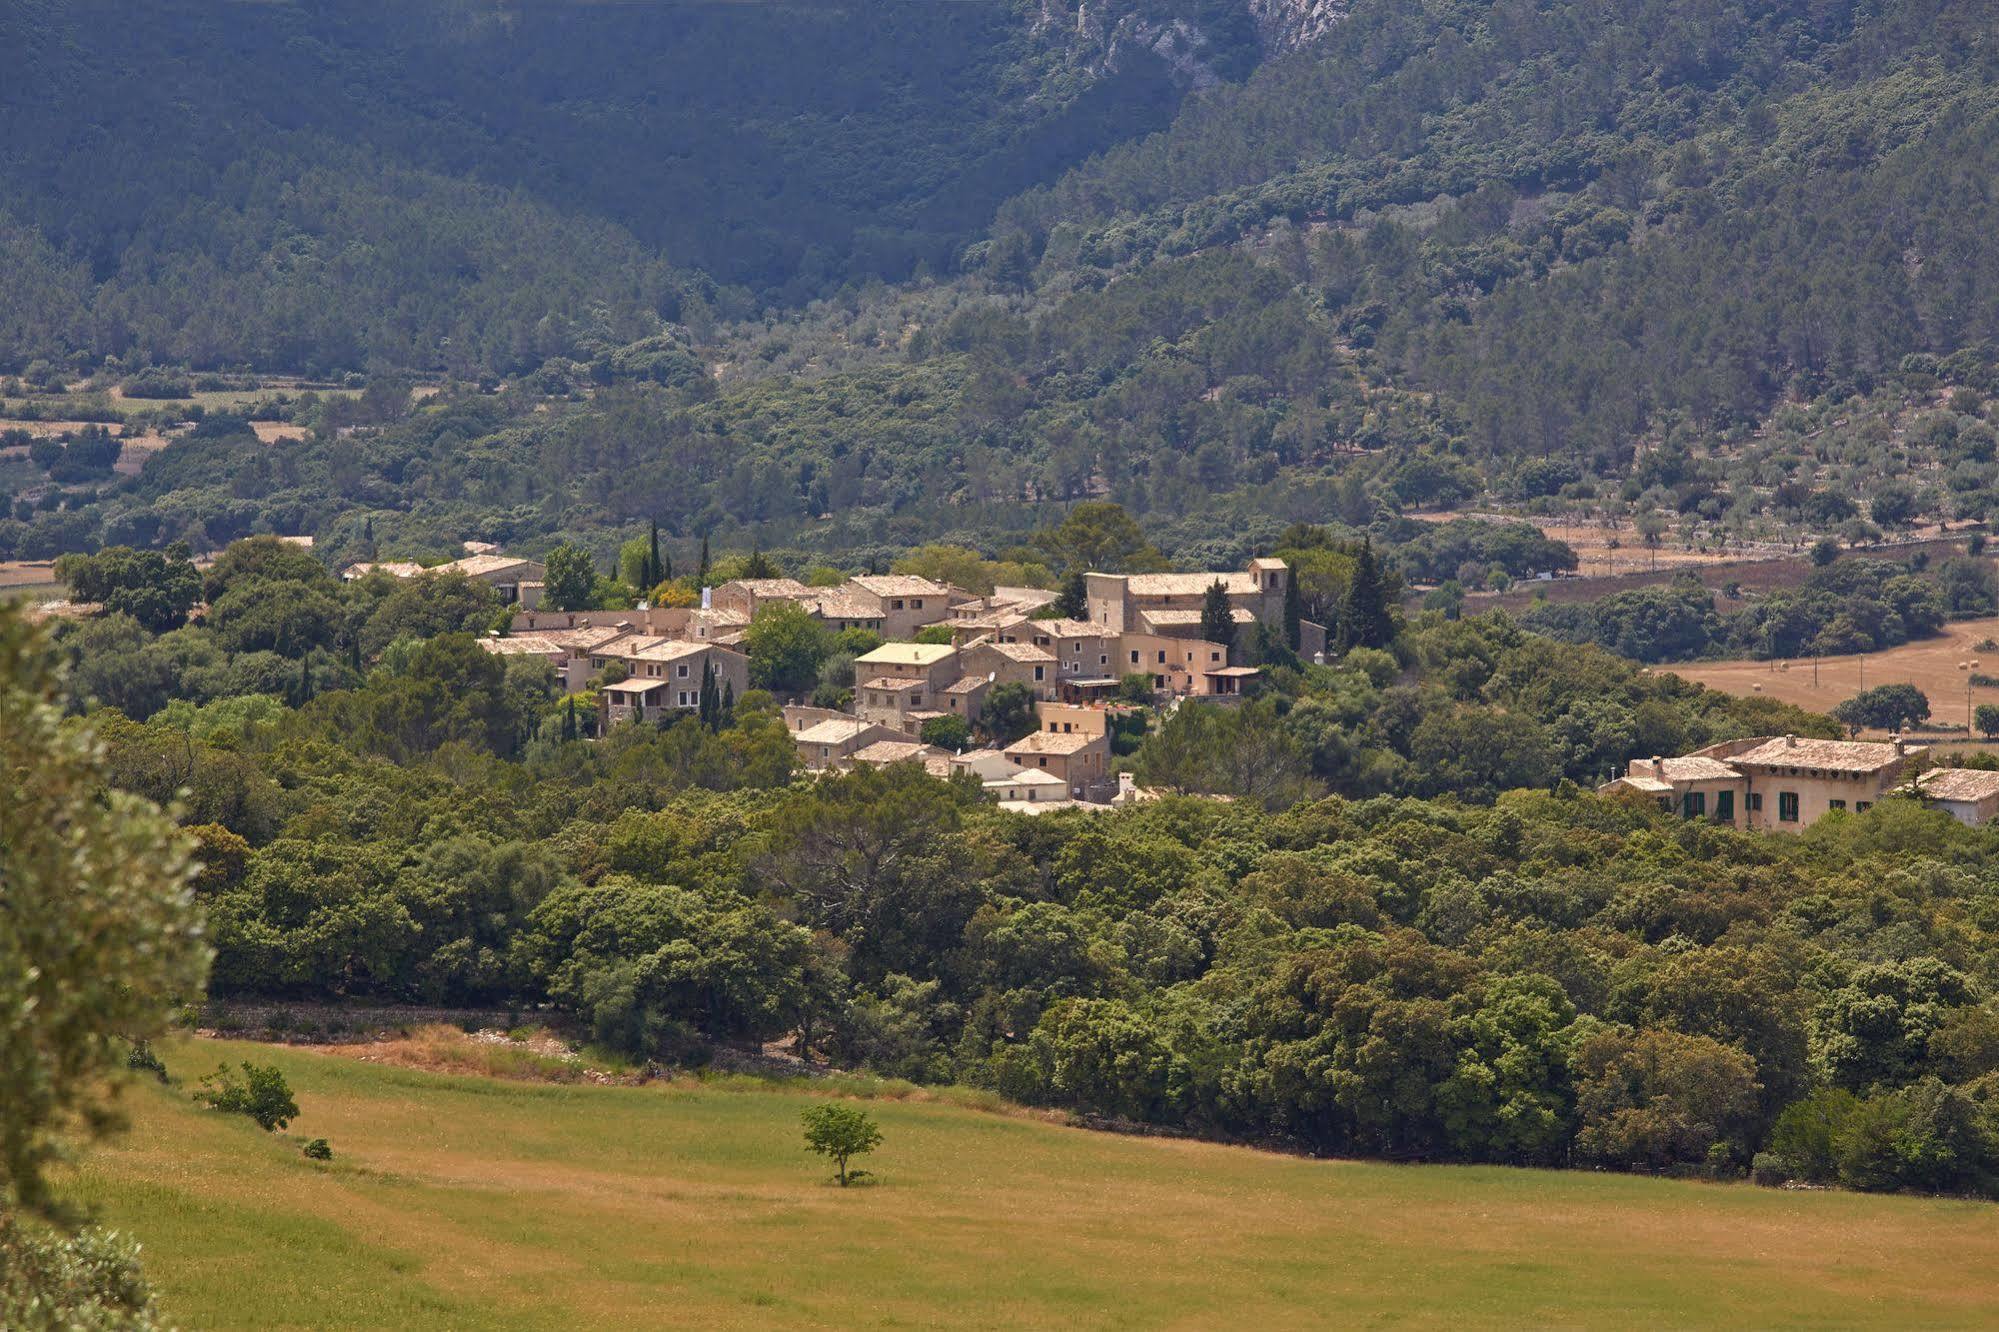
column 1658, row 766
column 707, row 593
column 1901, row 745
column 1790, row 742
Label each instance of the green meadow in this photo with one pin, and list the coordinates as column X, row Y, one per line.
column 471, row 1202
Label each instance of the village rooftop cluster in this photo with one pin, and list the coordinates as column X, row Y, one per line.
column 652, row 662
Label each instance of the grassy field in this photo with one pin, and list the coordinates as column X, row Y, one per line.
column 1941, row 667
column 470, row 1202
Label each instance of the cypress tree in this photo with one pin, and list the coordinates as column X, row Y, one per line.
column 1365, row 620
column 569, row 720
column 706, row 567
column 654, row 576
column 1217, row 619
column 728, row 702
column 1294, row 609
column 709, row 702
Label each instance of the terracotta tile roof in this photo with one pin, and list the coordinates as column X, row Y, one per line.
column 660, row 649
column 475, row 566
column 919, row 655
column 1959, row 784
column 1694, row 768
column 836, row 731
column 1021, row 652
column 524, row 645
column 1052, row 742
column 778, row 588
column 1828, row 755
column 1189, row 584
column 393, row 568
column 840, row 604
column 967, row 684
column 892, row 682
column 1060, row 629
column 896, row 751
column 1180, row 617
column 901, row 585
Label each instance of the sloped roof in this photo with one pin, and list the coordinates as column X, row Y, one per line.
column 1831, row 755
column 776, row 588
column 524, row 645
column 1189, row 584
column 900, row 585
column 1021, row 652
column 1053, row 742
column 834, row 731
column 474, row 566
column 840, row 604
column 1966, row 784
column 919, row 655
column 967, row 684
column 896, row 751
column 1694, row 768
column 1180, row 617
column 897, row 682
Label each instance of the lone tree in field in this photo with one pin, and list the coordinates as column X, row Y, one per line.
column 840, row 1132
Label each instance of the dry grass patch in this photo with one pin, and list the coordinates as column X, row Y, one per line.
column 475, row 1202
column 1941, row 667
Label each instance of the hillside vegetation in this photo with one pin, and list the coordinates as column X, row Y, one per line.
column 465, row 1202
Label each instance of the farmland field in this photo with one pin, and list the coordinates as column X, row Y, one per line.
column 470, row 1202
column 1941, row 667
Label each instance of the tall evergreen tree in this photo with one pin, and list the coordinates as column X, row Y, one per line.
column 655, row 571
column 706, row 567
column 1294, row 609
column 728, row 702
column 759, row 565
column 710, row 704
column 1074, row 598
column 1217, row 616
column 1365, row 618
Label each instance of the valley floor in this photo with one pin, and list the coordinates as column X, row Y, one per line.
column 470, row 1202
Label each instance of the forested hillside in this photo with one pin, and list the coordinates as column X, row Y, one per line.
column 1557, row 254
column 423, row 185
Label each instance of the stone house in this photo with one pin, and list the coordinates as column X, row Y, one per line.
column 1776, row 783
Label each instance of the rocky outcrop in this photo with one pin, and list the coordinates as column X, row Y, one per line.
column 1285, row 25
column 1103, row 36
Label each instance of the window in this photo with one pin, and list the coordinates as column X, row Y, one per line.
column 1694, row 804
column 1863, row 806
column 917, row 604
column 1787, row 806
column 1134, row 656
column 896, row 604
column 1755, row 802
column 1040, row 672
column 1104, row 658
column 681, row 670
column 1835, row 804
column 1162, row 657
column 1724, row 806
column 1214, row 656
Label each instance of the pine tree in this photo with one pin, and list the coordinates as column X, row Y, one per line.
column 1217, row 617
column 759, row 565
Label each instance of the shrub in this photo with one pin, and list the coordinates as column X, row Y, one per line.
column 143, row 1060
column 90, row 1280
column 263, row 1095
column 317, row 1150
column 1769, row 1169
